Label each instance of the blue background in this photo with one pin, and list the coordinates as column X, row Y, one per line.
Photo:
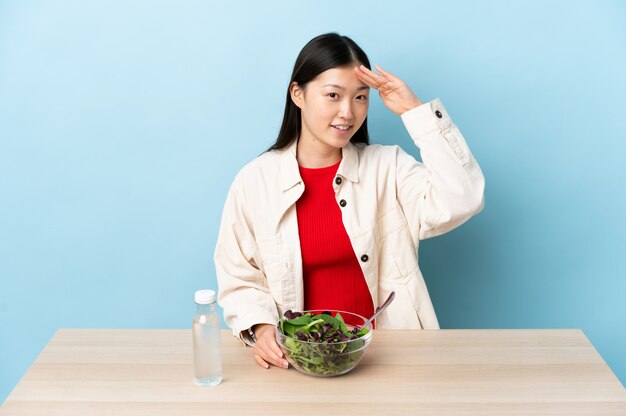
column 123, row 123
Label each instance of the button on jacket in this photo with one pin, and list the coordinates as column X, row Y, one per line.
column 389, row 202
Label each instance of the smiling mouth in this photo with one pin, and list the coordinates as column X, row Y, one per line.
column 341, row 127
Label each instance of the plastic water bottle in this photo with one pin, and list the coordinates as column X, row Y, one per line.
column 207, row 358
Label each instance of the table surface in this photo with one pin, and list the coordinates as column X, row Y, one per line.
column 434, row 372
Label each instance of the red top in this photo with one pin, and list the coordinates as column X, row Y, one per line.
column 332, row 277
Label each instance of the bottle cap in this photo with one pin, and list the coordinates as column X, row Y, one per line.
column 205, row 296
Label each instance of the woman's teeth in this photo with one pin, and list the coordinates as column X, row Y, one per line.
column 342, row 127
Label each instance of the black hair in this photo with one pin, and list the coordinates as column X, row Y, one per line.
column 321, row 53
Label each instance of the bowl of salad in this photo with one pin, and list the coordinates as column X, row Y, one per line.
column 323, row 343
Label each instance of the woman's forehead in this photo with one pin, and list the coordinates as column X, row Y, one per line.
column 340, row 78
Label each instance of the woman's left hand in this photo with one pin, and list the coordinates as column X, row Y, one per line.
column 396, row 95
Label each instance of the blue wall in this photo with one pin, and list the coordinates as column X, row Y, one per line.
column 123, row 123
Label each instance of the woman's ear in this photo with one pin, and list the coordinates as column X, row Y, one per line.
column 297, row 94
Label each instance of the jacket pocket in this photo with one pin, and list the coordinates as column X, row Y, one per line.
column 403, row 312
column 397, row 253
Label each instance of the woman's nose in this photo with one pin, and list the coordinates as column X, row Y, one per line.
column 345, row 111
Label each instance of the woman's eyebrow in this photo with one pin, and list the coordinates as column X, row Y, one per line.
column 362, row 87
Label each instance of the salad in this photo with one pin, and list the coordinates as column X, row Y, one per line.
column 320, row 343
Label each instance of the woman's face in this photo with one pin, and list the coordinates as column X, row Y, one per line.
column 333, row 105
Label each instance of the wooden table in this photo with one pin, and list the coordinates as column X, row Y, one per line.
column 444, row 372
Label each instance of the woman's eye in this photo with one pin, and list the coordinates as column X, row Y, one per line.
column 362, row 97
column 332, row 95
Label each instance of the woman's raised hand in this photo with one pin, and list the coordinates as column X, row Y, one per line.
column 266, row 350
column 396, row 95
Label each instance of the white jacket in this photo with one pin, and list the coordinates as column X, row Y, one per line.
column 391, row 202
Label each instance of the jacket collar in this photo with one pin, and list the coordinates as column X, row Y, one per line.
column 349, row 167
column 290, row 174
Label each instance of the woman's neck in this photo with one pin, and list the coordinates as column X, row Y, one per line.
column 316, row 155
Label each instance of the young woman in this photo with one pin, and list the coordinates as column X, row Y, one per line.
column 323, row 220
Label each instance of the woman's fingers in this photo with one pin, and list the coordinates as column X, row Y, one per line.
column 269, row 356
column 370, row 78
column 369, row 81
column 260, row 361
column 276, row 349
column 388, row 75
column 266, row 347
column 396, row 95
column 375, row 78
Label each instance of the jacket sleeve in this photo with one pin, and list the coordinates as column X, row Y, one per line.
column 448, row 187
column 242, row 286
